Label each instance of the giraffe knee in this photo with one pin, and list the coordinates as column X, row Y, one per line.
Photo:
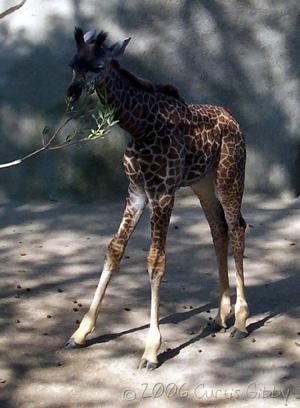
column 220, row 236
column 114, row 252
column 237, row 234
column 242, row 222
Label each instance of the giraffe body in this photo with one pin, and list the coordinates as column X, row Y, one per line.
column 172, row 144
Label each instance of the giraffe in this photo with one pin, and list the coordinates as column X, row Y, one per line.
column 173, row 144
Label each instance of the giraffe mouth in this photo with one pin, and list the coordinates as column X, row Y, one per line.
column 91, row 82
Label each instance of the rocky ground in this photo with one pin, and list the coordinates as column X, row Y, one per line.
column 51, row 255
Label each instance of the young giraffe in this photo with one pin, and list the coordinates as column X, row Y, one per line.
column 173, row 144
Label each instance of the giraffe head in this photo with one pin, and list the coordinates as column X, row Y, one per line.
column 90, row 64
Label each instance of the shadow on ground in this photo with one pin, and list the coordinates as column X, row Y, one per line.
column 51, row 255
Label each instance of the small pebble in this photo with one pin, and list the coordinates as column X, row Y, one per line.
column 298, row 333
column 127, row 309
column 280, row 353
column 79, row 304
column 200, row 351
column 59, row 364
column 207, row 311
column 253, row 340
column 59, row 290
column 2, row 381
column 45, row 334
column 168, row 349
column 74, row 309
column 18, row 321
column 28, row 289
column 292, row 243
column 210, row 318
column 19, row 286
column 74, row 301
column 23, row 254
column 213, row 335
column 191, row 307
column 185, row 307
column 49, row 316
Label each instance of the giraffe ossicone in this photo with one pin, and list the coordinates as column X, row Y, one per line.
column 173, row 144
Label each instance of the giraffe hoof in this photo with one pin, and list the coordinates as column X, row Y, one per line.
column 151, row 366
column 71, row 344
column 147, row 365
column 238, row 334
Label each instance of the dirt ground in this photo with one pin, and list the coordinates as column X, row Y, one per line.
column 51, row 255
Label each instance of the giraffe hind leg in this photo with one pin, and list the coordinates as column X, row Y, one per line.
column 231, row 204
column 214, row 214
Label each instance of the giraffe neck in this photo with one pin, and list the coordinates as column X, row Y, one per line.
column 136, row 101
column 127, row 100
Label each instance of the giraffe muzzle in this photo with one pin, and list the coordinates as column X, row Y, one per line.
column 74, row 91
column 88, row 85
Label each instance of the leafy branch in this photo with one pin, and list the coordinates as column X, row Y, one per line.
column 91, row 122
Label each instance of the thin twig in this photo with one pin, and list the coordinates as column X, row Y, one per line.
column 12, row 9
column 62, row 124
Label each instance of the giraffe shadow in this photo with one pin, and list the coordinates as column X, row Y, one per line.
column 173, row 318
column 259, row 323
column 264, row 300
column 171, row 353
column 206, row 332
column 176, row 318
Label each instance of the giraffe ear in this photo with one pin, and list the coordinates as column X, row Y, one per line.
column 90, row 36
column 79, row 39
column 117, row 50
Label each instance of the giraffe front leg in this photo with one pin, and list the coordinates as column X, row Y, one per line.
column 135, row 205
column 156, row 270
column 160, row 219
column 88, row 323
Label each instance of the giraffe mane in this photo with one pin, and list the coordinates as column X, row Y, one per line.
column 146, row 85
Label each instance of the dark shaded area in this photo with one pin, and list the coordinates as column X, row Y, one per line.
column 235, row 54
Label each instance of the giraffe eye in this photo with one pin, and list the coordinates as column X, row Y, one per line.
column 96, row 69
